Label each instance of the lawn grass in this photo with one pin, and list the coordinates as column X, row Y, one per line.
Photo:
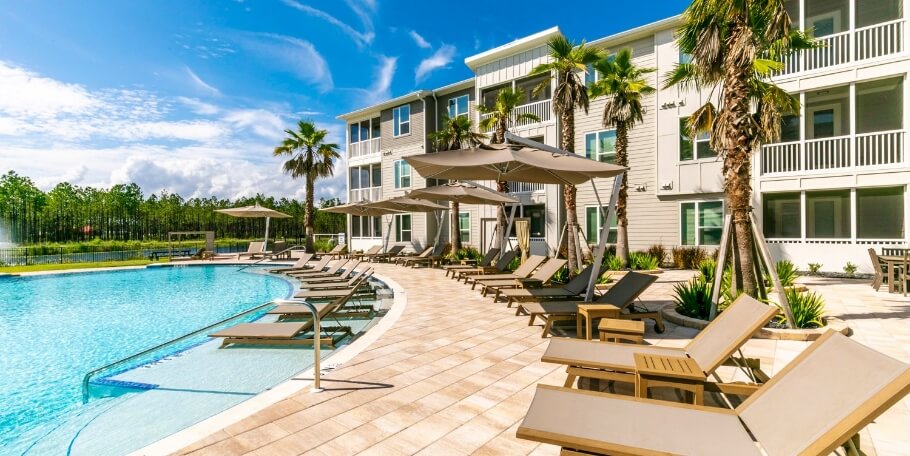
column 65, row 266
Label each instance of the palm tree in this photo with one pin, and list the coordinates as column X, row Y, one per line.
column 311, row 158
column 500, row 119
column 624, row 86
column 735, row 45
column 456, row 133
column 567, row 60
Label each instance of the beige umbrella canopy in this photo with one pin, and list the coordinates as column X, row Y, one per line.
column 406, row 204
column 361, row 208
column 511, row 162
column 463, row 193
column 255, row 211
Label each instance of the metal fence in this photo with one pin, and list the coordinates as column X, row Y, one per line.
column 20, row 256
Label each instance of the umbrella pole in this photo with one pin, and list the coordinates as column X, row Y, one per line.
column 266, row 241
column 388, row 233
column 604, row 231
column 439, row 217
column 505, row 233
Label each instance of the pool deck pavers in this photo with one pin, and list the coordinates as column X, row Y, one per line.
column 456, row 373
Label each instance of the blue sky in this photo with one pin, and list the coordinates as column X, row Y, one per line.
column 191, row 96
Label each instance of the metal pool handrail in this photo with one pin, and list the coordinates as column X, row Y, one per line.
column 316, row 326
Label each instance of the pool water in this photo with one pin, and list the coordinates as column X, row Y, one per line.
column 56, row 328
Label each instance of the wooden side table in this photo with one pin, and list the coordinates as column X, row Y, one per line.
column 468, row 261
column 670, row 371
column 615, row 330
column 587, row 313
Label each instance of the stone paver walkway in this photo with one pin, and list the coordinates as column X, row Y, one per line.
column 456, row 373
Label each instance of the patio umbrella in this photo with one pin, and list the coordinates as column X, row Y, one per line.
column 522, row 160
column 407, row 204
column 511, row 162
column 365, row 209
column 255, row 211
column 463, row 193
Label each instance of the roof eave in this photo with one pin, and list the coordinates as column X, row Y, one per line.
column 376, row 108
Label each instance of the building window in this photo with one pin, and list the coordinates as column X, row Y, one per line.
column 368, row 176
column 366, row 227
column 464, row 226
column 402, row 174
column 701, row 222
column 403, row 228
column 594, row 221
column 458, row 106
column 781, row 217
column 880, row 213
column 684, row 57
column 828, row 214
column 601, row 146
column 355, row 133
column 401, row 120
column 688, row 150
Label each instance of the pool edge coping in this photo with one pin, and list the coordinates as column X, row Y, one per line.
column 186, row 437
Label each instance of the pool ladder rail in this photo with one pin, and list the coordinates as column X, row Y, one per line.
column 124, row 364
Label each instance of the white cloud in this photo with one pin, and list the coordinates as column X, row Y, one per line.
column 261, row 122
column 27, row 93
column 201, row 85
column 296, row 56
column 198, row 106
column 361, row 38
column 440, row 59
column 419, row 40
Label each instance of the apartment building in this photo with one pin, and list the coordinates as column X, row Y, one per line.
column 833, row 186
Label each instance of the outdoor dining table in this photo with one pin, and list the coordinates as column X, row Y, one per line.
column 892, row 261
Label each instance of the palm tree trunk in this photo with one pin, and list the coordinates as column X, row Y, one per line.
column 622, row 219
column 738, row 155
column 502, row 187
column 569, row 194
column 454, row 231
column 308, row 214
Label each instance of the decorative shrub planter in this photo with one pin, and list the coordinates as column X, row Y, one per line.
column 670, row 314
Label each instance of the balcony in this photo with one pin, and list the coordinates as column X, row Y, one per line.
column 868, row 150
column 366, row 194
column 525, row 187
column 863, row 43
column 541, row 109
column 363, row 148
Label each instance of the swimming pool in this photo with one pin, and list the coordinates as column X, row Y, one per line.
column 55, row 328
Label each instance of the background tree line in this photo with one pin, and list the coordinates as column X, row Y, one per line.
column 70, row 213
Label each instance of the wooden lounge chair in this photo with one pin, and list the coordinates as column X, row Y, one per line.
column 543, row 275
column 365, row 255
column 402, row 259
column 199, row 255
column 428, row 260
column 387, row 256
column 501, row 265
column 361, row 285
column 525, row 270
column 255, row 248
column 347, row 285
column 711, row 348
column 328, row 272
column 817, row 403
column 622, row 295
column 318, row 266
column 343, row 276
column 299, row 265
column 575, row 288
column 487, row 260
column 337, row 252
column 284, row 333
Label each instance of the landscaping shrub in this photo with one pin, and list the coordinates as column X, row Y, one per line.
column 693, row 298
column 787, row 272
column 643, row 261
column 561, row 276
column 814, row 268
column 707, row 268
column 688, row 257
column 606, row 277
column 515, row 263
column 808, row 309
column 324, row 245
column 850, row 269
column 658, row 251
column 613, row 263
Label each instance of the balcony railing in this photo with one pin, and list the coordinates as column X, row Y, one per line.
column 366, row 194
column 525, row 187
column 363, row 148
column 541, row 109
column 880, row 148
column 860, row 44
